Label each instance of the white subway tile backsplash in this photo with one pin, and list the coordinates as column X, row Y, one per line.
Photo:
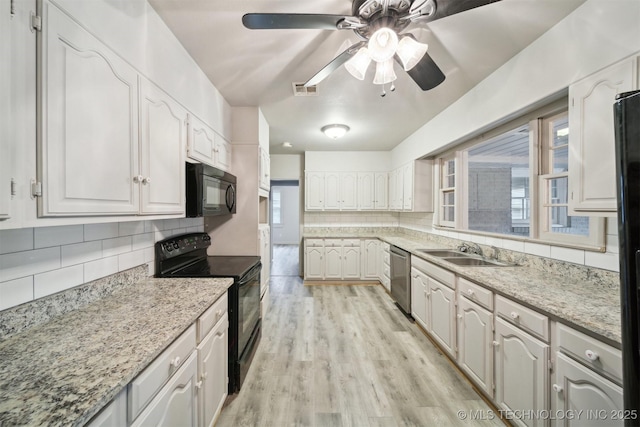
column 100, row 268
column 120, row 245
column 100, row 231
column 27, row 263
column 607, row 261
column 171, row 223
column 130, row 259
column 130, row 228
column 141, row 241
column 612, row 226
column 575, row 256
column 46, row 237
column 81, row 252
column 57, row 280
column 513, row 245
column 153, row 226
column 149, row 254
column 16, row 292
column 17, row 240
column 613, row 244
column 537, row 249
column 494, row 241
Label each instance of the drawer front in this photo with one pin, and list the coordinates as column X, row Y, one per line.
column 333, row 243
column 148, row 383
column 314, row 242
column 475, row 293
column 440, row 274
column 593, row 353
column 209, row 318
column 527, row 319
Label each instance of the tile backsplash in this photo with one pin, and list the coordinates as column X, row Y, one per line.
column 36, row 262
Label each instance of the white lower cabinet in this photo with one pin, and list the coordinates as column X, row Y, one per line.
column 441, row 312
column 370, row 261
column 522, row 373
column 114, row 414
column 176, row 403
column 332, row 259
column 314, row 259
column 419, row 296
column 577, row 388
column 475, row 343
column 212, row 373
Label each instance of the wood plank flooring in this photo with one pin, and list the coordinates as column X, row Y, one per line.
column 346, row 356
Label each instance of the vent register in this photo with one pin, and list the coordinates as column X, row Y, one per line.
column 300, row 90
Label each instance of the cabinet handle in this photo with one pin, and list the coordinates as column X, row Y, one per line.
column 557, row 388
column 514, row 315
column 592, row 355
column 199, row 385
column 496, row 344
column 138, row 179
column 175, row 362
column 146, row 181
column 459, row 316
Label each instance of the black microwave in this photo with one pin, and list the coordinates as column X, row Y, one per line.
column 210, row 191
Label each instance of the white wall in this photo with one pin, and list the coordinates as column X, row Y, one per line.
column 287, row 166
column 35, row 262
column 352, row 161
column 288, row 231
column 595, row 35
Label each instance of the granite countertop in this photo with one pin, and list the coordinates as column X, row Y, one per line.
column 579, row 300
column 64, row 371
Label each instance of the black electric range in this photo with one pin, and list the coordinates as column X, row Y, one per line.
column 186, row 256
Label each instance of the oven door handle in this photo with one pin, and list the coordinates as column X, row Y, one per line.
column 251, row 274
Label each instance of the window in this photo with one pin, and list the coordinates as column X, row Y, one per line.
column 515, row 183
column 276, row 206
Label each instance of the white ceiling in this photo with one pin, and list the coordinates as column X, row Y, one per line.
column 257, row 67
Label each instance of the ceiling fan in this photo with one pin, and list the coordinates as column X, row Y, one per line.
column 379, row 23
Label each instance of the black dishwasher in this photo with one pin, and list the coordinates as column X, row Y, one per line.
column 401, row 279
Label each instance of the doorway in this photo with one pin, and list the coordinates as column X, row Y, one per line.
column 285, row 227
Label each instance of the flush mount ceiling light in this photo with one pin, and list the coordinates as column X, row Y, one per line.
column 335, row 131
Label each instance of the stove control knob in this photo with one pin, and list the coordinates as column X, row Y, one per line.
column 175, row 245
column 168, row 247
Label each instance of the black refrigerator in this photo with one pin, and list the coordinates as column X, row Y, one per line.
column 627, row 136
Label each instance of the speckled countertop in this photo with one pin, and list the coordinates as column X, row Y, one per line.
column 580, row 297
column 64, row 371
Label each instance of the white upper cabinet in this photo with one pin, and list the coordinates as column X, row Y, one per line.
column 5, row 109
column 348, row 191
column 163, row 135
column 87, row 163
column 206, row 146
column 265, row 170
column 372, row 191
column 381, row 194
column 592, row 171
column 314, row 191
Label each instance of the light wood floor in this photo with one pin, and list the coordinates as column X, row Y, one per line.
column 346, row 356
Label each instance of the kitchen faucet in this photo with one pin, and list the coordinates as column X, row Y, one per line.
column 470, row 248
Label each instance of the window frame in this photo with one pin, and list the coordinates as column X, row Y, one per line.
column 538, row 163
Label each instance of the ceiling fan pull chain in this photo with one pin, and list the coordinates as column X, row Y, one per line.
column 384, row 93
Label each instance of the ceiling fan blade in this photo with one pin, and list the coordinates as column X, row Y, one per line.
column 278, row 21
column 446, row 8
column 334, row 64
column 426, row 73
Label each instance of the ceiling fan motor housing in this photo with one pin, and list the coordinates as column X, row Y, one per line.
column 394, row 14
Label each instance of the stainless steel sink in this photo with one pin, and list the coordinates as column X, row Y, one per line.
column 443, row 253
column 469, row 261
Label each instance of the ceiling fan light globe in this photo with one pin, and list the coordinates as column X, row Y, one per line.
column 383, row 44
column 358, row 65
column 410, row 52
column 384, row 73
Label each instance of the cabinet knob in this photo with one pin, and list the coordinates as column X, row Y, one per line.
column 146, row 181
column 459, row 316
column 514, row 315
column 496, row 343
column 199, row 385
column 204, row 375
column 557, row 388
column 592, row 355
column 138, row 179
column 175, row 362
column 470, row 292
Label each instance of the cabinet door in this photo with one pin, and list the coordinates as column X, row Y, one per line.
column 114, row 414
column 351, row 262
column 381, row 198
column 331, row 191
column 578, row 388
column 163, row 135
column 314, row 263
column 332, row 261
column 222, row 150
column 6, row 28
column 393, row 196
column 88, row 150
column 366, row 191
column 475, row 343
column 592, row 172
column 522, row 372
column 419, row 295
column 265, row 170
column 175, row 404
column 407, row 187
column 370, row 259
column 314, row 191
column 348, row 191
column 442, row 315
column 201, row 141
column 212, row 372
